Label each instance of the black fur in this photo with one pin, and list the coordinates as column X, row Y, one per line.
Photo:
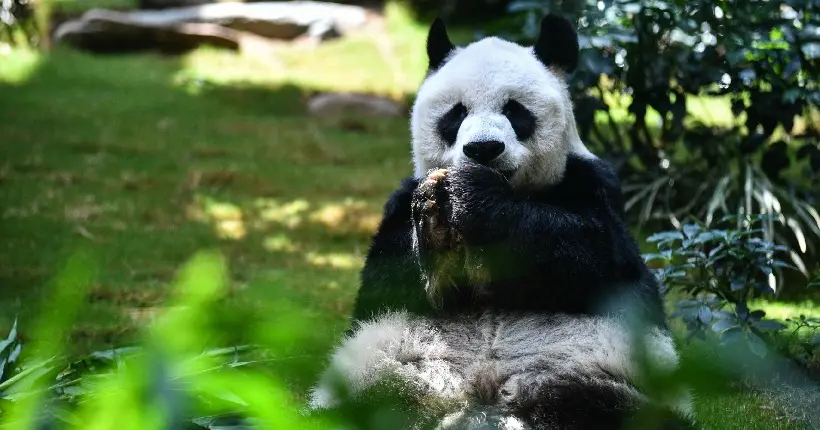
column 449, row 124
column 557, row 44
column 582, row 402
column 438, row 45
column 521, row 119
column 565, row 248
column 391, row 278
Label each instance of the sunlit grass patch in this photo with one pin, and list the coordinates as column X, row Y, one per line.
column 17, row 65
column 783, row 310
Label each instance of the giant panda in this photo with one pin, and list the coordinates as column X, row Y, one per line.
column 503, row 288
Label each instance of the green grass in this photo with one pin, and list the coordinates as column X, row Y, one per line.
column 148, row 159
column 74, row 7
column 117, row 153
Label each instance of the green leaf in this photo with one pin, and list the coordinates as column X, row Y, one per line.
column 741, row 310
column 29, row 374
column 722, row 325
column 778, row 263
column 768, row 325
column 705, row 315
column 665, row 236
column 652, row 257
column 685, row 303
column 757, row 345
column 737, row 284
column 690, row 230
column 12, row 336
column 730, row 335
column 705, row 236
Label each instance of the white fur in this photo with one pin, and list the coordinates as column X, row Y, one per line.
column 483, row 76
column 394, row 345
column 446, row 358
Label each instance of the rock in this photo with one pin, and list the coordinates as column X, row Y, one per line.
column 336, row 105
column 113, row 34
column 222, row 24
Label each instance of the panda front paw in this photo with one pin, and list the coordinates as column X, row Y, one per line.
column 478, row 196
column 430, row 203
column 437, row 245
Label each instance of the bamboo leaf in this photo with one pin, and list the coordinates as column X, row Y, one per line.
column 799, row 263
column 718, row 196
column 798, row 233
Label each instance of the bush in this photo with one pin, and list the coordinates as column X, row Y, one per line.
column 719, row 271
column 715, row 273
column 646, row 66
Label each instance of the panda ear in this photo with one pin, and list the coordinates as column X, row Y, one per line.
column 438, row 44
column 557, row 44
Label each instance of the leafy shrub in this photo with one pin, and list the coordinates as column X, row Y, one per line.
column 646, row 66
column 719, row 272
column 715, row 273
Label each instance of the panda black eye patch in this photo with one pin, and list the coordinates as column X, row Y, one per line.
column 450, row 122
column 521, row 119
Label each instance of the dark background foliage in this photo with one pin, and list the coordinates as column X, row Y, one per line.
column 653, row 59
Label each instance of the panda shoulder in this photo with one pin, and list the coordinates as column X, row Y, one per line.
column 399, row 201
column 591, row 172
column 588, row 177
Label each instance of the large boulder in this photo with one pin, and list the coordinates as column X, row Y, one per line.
column 335, row 105
column 221, row 24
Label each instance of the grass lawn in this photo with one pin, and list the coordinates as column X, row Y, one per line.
column 148, row 159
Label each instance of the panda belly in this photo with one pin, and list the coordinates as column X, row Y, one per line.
column 511, row 361
column 492, row 368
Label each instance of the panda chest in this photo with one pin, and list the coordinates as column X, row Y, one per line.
column 498, row 347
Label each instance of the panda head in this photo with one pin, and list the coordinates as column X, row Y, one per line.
column 500, row 104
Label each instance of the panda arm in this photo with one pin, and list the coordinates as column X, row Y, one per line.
column 553, row 247
column 391, row 277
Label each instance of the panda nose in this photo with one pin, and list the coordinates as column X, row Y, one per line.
column 483, row 152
